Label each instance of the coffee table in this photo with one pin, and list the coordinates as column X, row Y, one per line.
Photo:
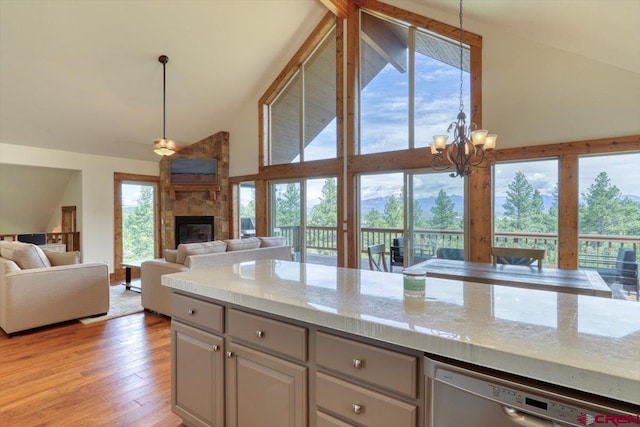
column 127, row 275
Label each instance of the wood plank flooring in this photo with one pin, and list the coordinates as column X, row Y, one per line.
column 112, row 373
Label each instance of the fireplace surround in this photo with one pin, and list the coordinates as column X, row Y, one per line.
column 194, row 229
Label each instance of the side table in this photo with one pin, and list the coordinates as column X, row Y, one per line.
column 127, row 275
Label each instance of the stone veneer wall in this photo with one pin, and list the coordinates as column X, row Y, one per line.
column 196, row 202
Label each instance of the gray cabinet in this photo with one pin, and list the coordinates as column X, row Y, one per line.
column 264, row 390
column 197, row 371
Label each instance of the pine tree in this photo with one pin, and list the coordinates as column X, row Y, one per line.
column 137, row 231
column 394, row 212
column 444, row 213
column 420, row 221
column 325, row 212
column 601, row 212
column 373, row 219
column 288, row 206
column 519, row 205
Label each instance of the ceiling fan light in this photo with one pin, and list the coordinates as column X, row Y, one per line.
column 164, row 147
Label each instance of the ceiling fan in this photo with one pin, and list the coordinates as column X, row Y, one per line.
column 164, row 146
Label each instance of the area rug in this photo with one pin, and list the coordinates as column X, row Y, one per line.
column 121, row 303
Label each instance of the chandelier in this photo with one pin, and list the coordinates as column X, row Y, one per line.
column 164, row 146
column 471, row 147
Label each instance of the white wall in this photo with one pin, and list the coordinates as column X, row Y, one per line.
column 532, row 94
column 95, row 221
column 71, row 196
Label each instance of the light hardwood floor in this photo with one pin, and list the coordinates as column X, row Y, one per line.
column 112, row 373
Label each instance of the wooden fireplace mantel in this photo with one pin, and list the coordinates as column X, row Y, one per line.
column 211, row 189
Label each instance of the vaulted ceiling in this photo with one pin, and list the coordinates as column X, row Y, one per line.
column 84, row 76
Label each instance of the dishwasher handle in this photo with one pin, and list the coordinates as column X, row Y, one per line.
column 527, row 420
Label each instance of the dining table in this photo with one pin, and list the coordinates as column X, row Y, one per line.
column 580, row 281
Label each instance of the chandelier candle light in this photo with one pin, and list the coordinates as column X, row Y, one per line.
column 470, row 147
column 164, row 146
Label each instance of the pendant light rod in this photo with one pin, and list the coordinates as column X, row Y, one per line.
column 163, row 59
column 164, row 146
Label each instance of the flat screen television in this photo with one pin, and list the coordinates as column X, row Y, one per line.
column 194, row 171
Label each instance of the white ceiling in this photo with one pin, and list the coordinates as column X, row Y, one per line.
column 83, row 76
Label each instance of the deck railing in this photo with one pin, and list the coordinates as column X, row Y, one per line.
column 593, row 250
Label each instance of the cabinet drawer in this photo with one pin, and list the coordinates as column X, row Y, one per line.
column 270, row 334
column 385, row 368
column 324, row 420
column 363, row 406
column 200, row 313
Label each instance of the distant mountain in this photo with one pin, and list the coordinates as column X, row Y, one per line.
column 427, row 203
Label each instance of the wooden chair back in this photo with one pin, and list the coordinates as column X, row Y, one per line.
column 508, row 255
column 377, row 259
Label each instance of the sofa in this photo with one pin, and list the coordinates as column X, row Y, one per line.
column 191, row 256
column 39, row 287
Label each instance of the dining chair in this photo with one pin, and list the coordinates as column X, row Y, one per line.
column 517, row 256
column 397, row 253
column 377, row 259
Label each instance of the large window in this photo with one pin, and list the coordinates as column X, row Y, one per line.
column 409, row 85
column 303, row 115
column 425, row 210
column 305, row 212
column 525, row 206
column 247, row 209
column 609, row 208
column 138, row 221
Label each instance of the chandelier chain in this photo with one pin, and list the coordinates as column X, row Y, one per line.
column 461, row 49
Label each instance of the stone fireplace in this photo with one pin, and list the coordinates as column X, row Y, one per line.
column 196, row 201
column 194, row 229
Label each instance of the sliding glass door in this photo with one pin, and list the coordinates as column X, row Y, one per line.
column 416, row 215
column 305, row 212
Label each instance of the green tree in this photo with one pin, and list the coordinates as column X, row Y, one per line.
column 420, row 220
column 523, row 206
column 394, row 212
column 551, row 218
column 444, row 213
column 248, row 210
column 137, row 232
column 602, row 212
column 325, row 212
column 373, row 219
column 631, row 213
column 288, row 206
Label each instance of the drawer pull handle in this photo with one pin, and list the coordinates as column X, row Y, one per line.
column 191, row 311
column 358, row 363
column 357, row 409
column 259, row 333
column 229, row 354
column 215, row 347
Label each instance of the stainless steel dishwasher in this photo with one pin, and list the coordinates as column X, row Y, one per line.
column 459, row 397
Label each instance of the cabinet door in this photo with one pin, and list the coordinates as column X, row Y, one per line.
column 197, row 381
column 264, row 390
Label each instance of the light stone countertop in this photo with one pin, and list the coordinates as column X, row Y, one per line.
column 582, row 342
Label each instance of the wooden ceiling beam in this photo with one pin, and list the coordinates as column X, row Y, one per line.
column 337, row 7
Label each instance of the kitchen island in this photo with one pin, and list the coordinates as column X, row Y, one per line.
column 579, row 342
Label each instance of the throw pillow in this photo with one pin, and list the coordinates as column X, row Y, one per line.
column 26, row 255
column 188, row 249
column 62, row 258
column 170, row 255
column 242, row 244
column 272, row 241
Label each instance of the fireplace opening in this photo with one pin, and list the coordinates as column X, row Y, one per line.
column 194, row 229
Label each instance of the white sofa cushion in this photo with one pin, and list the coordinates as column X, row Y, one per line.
column 62, row 258
column 171, row 255
column 242, row 244
column 26, row 255
column 187, row 249
column 272, row 241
